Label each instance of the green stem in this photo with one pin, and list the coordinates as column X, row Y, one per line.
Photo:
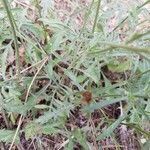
column 123, row 46
column 86, row 18
column 139, row 7
column 96, row 16
column 10, row 18
column 117, row 95
column 40, row 15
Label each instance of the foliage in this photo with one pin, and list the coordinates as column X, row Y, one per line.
column 63, row 56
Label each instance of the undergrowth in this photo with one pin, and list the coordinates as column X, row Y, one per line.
column 76, row 77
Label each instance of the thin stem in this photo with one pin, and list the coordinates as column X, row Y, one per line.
column 86, row 18
column 96, row 16
column 117, row 95
column 139, row 7
column 40, row 15
column 123, row 46
column 10, row 17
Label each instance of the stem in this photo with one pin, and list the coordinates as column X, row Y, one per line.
column 96, row 16
column 139, row 7
column 123, row 46
column 10, row 18
column 117, row 95
column 40, row 15
column 86, row 18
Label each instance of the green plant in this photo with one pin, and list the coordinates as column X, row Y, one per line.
column 47, row 62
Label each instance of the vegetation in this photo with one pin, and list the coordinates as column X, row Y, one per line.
column 74, row 74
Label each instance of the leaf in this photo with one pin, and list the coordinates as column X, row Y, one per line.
column 41, row 106
column 3, row 60
column 46, row 5
column 69, row 146
column 146, row 145
column 49, row 69
column 136, row 36
column 55, row 24
column 80, row 138
column 144, row 65
column 118, row 66
column 74, row 79
column 57, row 39
column 93, row 73
column 18, row 107
column 7, row 136
column 108, row 132
column 32, row 129
column 61, row 111
column 101, row 104
column 52, row 127
column 35, row 31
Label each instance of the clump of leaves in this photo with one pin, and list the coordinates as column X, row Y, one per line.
column 48, row 63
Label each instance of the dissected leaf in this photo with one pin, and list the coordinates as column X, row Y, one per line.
column 35, row 31
column 101, row 104
column 74, row 79
column 7, row 136
column 93, row 73
column 52, row 127
column 107, row 132
column 55, row 113
column 118, row 66
column 80, row 138
column 18, row 107
column 32, row 129
column 46, row 5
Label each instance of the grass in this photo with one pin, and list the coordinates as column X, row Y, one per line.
column 74, row 75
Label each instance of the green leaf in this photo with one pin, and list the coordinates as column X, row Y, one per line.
column 93, row 73
column 101, row 104
column 3, row 60
column 118, row 66
column 137, row 36
column 49, row 69
column 7, row 136
column 74, row 79
column 35, row 31
column 69, row 146
column 146, row 145
column 80, row 138
column 61, row 111
column 55, row 24
column 32, row 129
column 18, row 107
column 46, row 5
column 52, row 127
column 41, row 106
column 108, row 132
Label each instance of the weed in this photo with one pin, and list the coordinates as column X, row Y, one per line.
column 56, row 54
